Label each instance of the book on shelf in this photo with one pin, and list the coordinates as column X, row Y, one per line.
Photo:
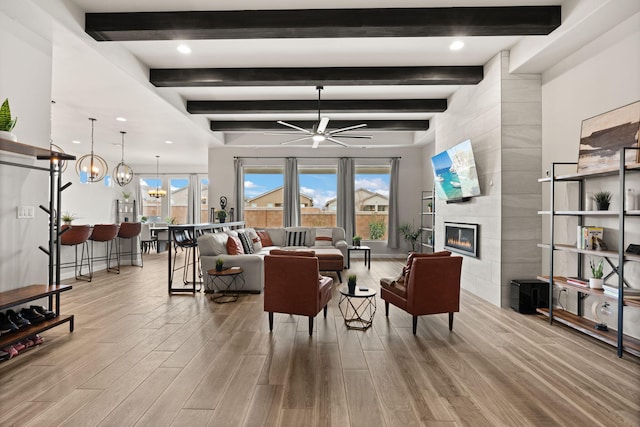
column 629, row 293
column 578, row 281
column 587, row 236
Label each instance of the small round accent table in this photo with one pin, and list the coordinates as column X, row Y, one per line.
column 357, row 308
column 224, row 285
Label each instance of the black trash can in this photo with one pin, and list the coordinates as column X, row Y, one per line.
column 529, row 294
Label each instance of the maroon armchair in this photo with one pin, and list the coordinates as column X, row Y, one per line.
column 293, row 285
column 431, row 285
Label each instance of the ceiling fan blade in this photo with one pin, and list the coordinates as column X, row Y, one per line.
column 356, row 136
column 316, row 142
column 363, row 125
column 295, row 140
column 335, row 141
column 280, row 133
column 323, row 125
column 294, row 127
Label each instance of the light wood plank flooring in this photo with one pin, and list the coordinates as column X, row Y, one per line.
column 141, row 357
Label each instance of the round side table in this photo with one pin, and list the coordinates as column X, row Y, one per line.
column 224, row 285
column 357, row 308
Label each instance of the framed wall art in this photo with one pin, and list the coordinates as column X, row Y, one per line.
column 602, row 137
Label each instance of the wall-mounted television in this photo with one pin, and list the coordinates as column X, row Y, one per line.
column 454, row 173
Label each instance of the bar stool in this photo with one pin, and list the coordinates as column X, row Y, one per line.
column 130, row 231
column 185, row 240
column 74, row 236
column 105, row 233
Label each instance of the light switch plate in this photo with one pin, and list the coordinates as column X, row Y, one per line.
column 26, row 212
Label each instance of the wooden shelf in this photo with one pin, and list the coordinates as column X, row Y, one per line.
column 14, row 337
column 561, row 281
column 605, row 254
column 630, row 345
column 29, row 293
column 32, row 151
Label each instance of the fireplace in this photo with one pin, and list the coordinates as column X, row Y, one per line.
column 461, row 238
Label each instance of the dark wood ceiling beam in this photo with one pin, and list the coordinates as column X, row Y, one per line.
column 272, row 125
column 336, row 76
column 324, row 23
column 311, row 106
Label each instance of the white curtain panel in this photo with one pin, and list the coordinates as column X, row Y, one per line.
column 393, row 235
column 346, row 210
column 291, row 193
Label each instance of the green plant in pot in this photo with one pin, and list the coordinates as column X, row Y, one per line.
column 222, row 215
column 67, row 218
column 597, row 271
column 219, row 264
column 602, row 199
column 410, row 235
column 351, row 283
column 356, row 240
column 6, row 122
column 126, row 195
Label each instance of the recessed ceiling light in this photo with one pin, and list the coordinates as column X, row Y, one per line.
column 456, row 45
column 75, row 142
column 168, row 142
column 183, row 48
column 121, row 119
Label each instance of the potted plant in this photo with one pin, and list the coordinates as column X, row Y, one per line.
column 126, row 195
column 410, row 234
column 219, row 264
column 67, row 218
column 351, row 284
column 143, row 219
column 222, row 215
column 602, row 198
column 430, row 207
column 595, row 281
column 6, row 122
column 356, row 240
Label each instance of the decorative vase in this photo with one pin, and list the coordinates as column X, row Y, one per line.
column 219, row 268
column 595, row 283
column 603, row 206
column 8, row 135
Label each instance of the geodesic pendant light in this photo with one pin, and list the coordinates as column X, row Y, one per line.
column 123, row 173
column 91, row 167
column 158, row 192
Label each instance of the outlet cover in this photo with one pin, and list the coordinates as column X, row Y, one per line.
column 26, row 212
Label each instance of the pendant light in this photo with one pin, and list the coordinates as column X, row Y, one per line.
column 91, row 167
column 158, row 192
column 123, row 172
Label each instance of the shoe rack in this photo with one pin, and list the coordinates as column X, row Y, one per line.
column 53, row 289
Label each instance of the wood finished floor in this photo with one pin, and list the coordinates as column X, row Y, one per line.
column 141, row 357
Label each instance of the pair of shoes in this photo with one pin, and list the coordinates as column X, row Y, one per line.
column 4, row 355
column 48, row 314
column 32, row 316
column 36, row 339
column 11, row 351
column 6, row 325
column 19, row 346
column 16, row 318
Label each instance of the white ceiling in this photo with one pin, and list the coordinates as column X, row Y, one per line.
column 106, row 80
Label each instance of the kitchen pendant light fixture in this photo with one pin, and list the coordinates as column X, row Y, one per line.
column 91, row 167
column 123, row 172
column 158, row 192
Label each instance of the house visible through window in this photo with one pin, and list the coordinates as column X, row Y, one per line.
column 372, row 201
column 263, row 196
column 318, row 186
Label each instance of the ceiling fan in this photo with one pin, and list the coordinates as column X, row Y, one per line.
column 319, row 133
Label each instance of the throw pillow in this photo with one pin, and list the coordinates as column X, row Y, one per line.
column 257, row 243
column 296, row 238
column 264, row 238
column 247, row 243
column 234, row 246
column 324, row 237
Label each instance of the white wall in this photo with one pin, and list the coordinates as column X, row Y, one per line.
column 25, row 78
column 603, row 75
column 221, row 174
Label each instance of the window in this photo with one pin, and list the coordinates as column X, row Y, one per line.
column 263, row 196
column 318, row 192
column 151, row 207
column 178, row 200
column 372, row 201
column 204, row 195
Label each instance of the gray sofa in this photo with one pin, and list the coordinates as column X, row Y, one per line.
column 212, row 246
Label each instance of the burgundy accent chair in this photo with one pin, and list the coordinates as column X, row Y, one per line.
column 293, row 285
column 431, row 285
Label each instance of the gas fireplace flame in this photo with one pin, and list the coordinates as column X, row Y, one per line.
column 459, row 243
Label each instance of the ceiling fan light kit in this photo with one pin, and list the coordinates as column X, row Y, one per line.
column 319, row 133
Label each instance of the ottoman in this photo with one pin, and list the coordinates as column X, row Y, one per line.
column 330, row 259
